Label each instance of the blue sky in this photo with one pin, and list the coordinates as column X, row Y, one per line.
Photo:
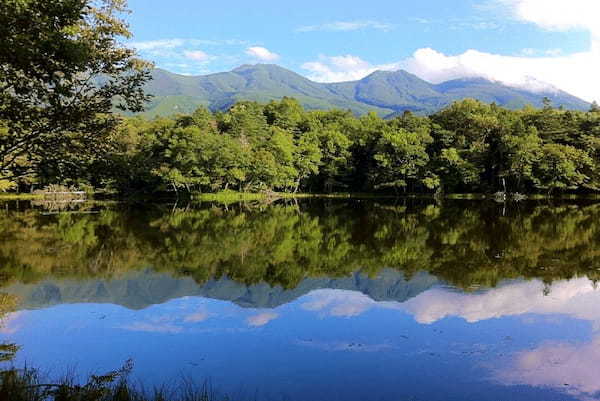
column 334, row 40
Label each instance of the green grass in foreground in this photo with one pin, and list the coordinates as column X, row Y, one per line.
column 27, row 385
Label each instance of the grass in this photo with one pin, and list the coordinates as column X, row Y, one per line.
column 28, row 385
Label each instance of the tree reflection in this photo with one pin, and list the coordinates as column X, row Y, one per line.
column 468, row 245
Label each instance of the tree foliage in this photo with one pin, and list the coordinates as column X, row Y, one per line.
column 468, row 147
column 63, row 70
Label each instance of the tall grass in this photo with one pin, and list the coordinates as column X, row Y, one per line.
column 28, row 385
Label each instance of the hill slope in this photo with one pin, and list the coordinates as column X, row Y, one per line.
column 384, row 92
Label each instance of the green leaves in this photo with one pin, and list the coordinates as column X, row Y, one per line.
column 400, row 158
column 470, row 147
column 62, row 72
column 563, row 167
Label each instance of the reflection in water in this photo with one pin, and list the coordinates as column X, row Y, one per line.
column 339, row 300
column 465, row 244
column 576, row 298
column 572, row 367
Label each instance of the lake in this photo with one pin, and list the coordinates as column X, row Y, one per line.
column 312, row 299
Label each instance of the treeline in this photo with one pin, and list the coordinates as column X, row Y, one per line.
column 468, row 147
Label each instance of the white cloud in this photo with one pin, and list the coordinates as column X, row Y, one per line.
column 262, row 53
column 576, row 298
column 12, row 322
column 158, row 44
column 345, row 26
column 558, row 14
column 173, row 43
column 197, row 55
column 553, row 52
column 175, row 53
column 572, row 73
column 342, row 68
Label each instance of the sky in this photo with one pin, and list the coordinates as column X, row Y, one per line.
column 537, row 44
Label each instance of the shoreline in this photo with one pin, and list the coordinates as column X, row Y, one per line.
column 234, row 196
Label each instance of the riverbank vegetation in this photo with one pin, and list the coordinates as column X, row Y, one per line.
column 470, row 147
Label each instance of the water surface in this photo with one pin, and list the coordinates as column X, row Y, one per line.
column 319, row 300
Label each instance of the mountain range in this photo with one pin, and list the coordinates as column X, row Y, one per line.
column 385, row 92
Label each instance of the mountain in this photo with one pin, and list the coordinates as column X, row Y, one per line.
column 384, row 92
column 138, row 290
column 262, row 83
column 511, row 97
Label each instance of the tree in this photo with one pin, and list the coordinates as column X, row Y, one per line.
column 524, row 151
column 307, row 157
column 286, row 114
column 63, row 72
column 456, row 172
column 595, row 108
column 563, row 167
column 274, row 161
column 400, row 158
column 178, row 151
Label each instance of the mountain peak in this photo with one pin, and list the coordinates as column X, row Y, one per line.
column 259, row 66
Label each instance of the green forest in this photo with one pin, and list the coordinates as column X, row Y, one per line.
column 468, row 147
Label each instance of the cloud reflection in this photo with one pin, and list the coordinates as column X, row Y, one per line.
column 343, row 303
column 261, row 319
column 573, row 368
column 12, row 322
column 153, row 327
column 577, row 298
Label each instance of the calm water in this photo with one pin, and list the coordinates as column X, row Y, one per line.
column 316, row 300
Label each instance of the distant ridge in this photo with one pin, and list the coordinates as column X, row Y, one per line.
column 386, row 92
